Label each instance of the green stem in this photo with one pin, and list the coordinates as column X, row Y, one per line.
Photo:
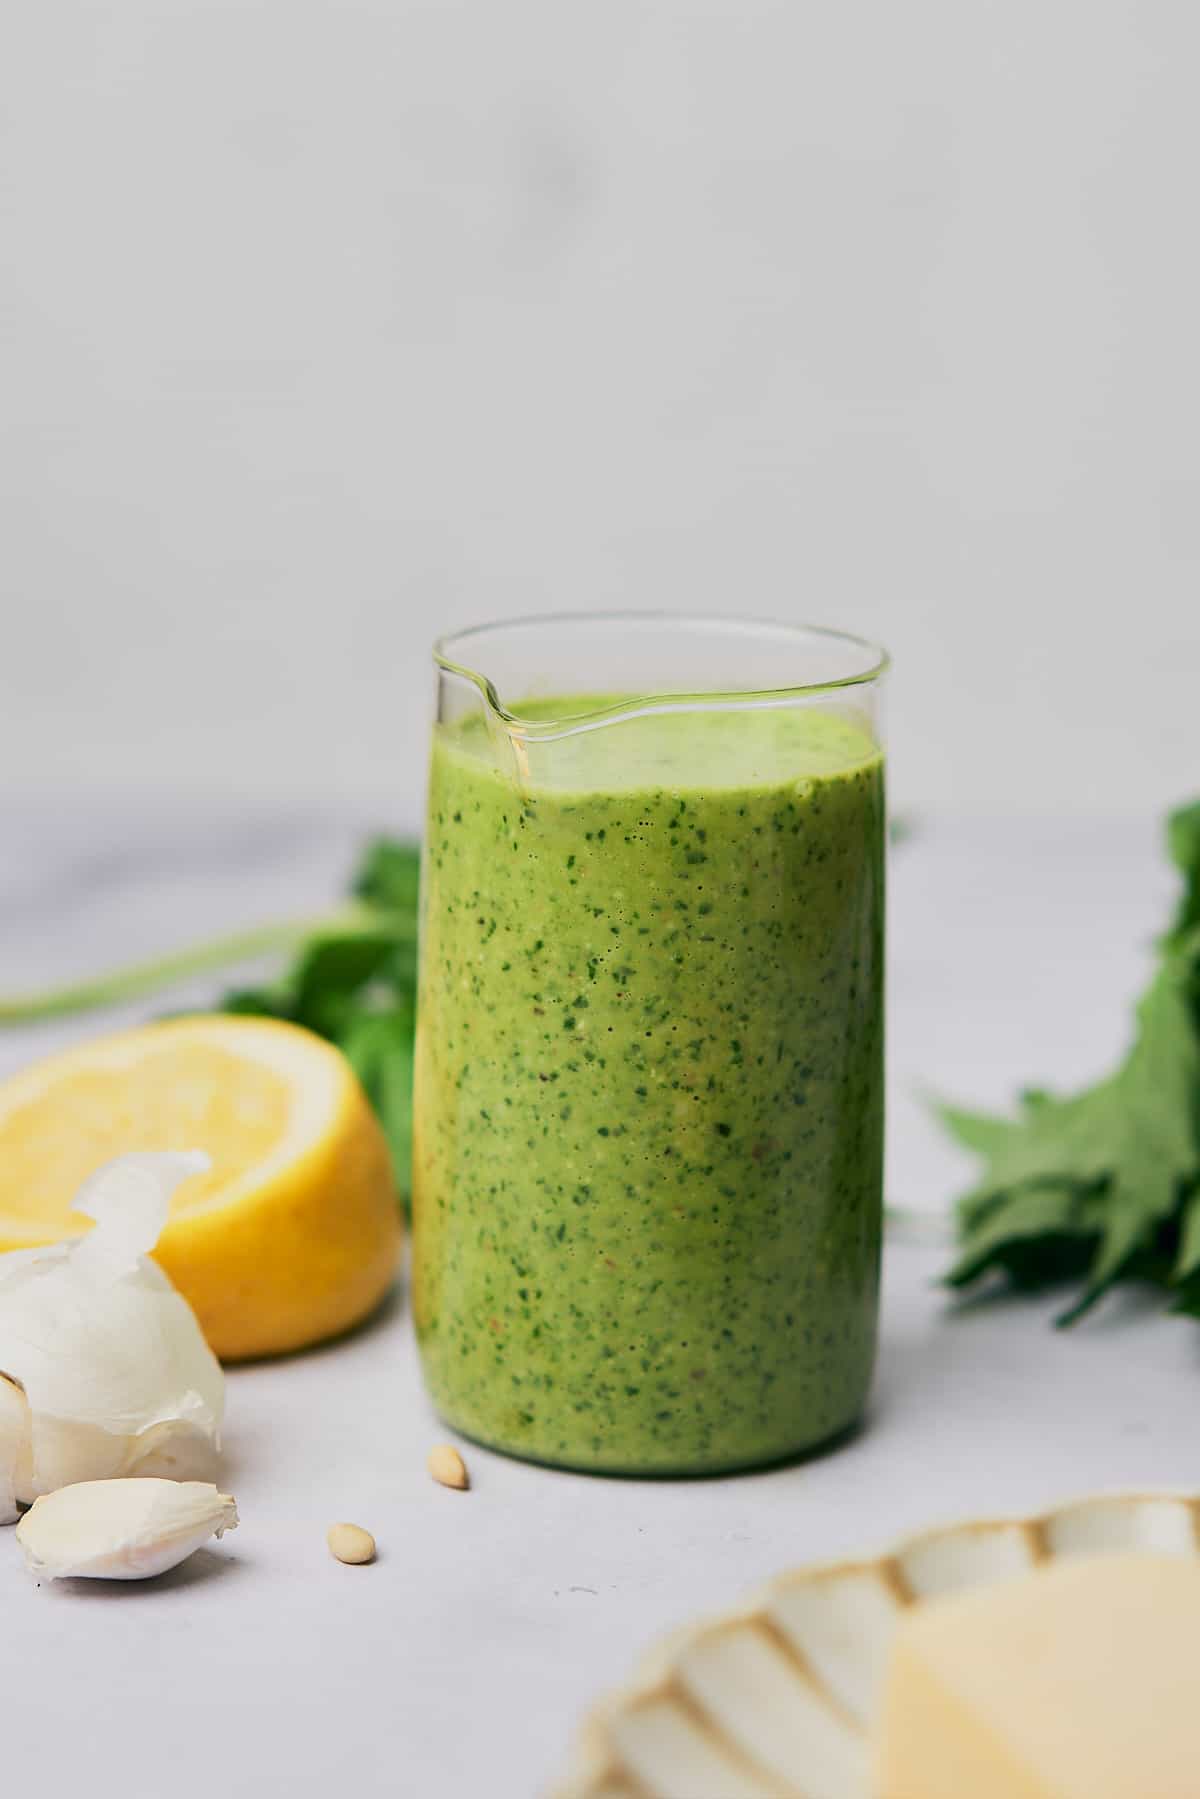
column 142, row 978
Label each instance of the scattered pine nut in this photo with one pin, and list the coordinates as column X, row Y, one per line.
column 350, row 1543
column 447, row 1467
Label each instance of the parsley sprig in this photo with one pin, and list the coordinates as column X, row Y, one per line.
column 1103, row 1186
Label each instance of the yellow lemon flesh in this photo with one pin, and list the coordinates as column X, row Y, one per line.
column 294, row 1234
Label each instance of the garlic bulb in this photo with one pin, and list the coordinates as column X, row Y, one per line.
column 105, row 1370
column 121, row 1529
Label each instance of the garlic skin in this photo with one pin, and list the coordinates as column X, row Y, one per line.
column 105, row 1370
column 121, row 1529
column 16, row 1447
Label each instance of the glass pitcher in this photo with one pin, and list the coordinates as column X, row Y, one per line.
column 647, row 1184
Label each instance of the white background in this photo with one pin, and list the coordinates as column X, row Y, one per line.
column 326, row 324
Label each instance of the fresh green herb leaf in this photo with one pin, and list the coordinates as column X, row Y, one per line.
column 1187, row 1260
column 1027, row 1234
column 979, row 1131
column 379, row 1046
column 1105, row 1185
column 388, row 876
column 1183, row 842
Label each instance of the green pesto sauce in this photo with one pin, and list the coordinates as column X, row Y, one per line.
column 649, row 1092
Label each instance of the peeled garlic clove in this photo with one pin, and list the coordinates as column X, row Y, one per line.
column 112, row 1363
column 121, row 1529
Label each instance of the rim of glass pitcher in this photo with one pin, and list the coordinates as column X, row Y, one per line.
column 879, row 663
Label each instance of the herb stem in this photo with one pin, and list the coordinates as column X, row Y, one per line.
column 141, row 978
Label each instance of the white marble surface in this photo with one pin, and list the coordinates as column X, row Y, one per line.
column 459, row 1664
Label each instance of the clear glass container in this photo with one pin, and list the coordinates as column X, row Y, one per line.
column 647, row 1184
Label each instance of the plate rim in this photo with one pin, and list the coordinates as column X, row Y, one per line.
column 596, row 1764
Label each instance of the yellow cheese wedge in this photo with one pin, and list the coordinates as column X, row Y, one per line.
column 1078, row 1681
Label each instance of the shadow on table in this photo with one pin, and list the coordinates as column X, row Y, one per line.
column 914, row 1353
column 204, row 1568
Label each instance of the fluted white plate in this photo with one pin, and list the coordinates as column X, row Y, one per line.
column 776, row 1700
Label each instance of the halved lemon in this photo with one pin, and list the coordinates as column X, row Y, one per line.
column 293, row 1236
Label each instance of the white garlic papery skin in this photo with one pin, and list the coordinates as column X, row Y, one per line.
column 121, row 1529
column 16, row 1448
column 106, row 1371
